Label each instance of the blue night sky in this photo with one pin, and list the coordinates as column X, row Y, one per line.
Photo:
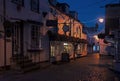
column 89, row 10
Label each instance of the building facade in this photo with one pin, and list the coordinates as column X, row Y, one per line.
column 112, row 24
column 112, row 18
column 23, row 30
column 112, row 29
column 39, row 30
column 70, row 38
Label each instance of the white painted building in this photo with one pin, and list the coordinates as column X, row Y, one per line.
column 26, row 20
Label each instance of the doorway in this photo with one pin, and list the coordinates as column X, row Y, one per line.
column 17, row 39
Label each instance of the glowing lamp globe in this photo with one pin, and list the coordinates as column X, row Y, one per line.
column 101, row 20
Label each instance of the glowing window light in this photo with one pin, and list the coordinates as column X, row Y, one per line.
column 65, row 43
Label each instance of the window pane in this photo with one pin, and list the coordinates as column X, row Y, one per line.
column 35, row 36
column 20, row 2
column 35, row 5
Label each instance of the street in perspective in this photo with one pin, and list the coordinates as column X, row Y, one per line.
column 93, row 67
column 59, row 40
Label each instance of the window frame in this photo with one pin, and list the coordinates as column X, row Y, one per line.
column 35, row 37
column 35, row 6
column 18, row 2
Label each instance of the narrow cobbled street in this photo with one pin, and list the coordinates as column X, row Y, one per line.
column 90, row 68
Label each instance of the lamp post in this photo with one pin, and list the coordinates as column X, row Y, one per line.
column 93, row 34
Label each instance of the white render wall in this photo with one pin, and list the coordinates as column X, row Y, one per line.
column 24, row 13
column 1, row 35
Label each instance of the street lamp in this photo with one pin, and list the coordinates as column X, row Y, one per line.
column 101, row 20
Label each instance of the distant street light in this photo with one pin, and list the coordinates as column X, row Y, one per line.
column 101, row 20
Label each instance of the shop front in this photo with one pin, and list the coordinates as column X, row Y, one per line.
column 61, row 51
column 64, row 48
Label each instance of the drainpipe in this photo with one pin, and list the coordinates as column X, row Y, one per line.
column 4, row 15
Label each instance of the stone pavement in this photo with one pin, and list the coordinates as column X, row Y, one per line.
column 90, row 68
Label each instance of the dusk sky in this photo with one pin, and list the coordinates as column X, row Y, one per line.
column 89, row 10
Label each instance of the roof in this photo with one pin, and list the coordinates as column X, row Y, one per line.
column 62, row 4
column 63, row 12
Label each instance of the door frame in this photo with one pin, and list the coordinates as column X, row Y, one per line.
column 19, row 26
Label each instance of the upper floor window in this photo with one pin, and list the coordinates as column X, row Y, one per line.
column 35, row 5
column 19, row 2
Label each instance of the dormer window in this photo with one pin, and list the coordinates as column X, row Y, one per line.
column 19, row 2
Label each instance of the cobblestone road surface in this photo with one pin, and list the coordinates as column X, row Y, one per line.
column 90, row 68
